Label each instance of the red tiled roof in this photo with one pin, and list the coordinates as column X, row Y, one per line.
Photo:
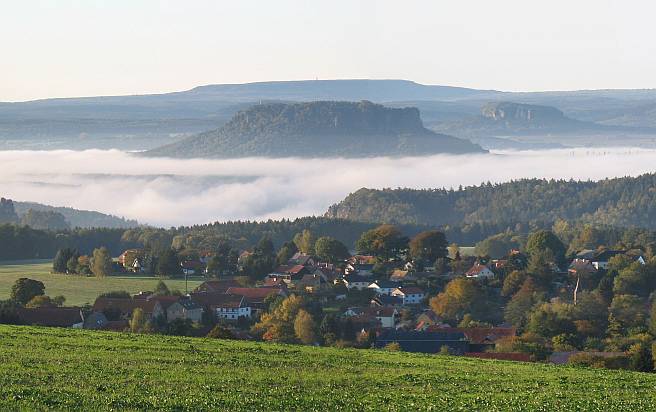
column 217, row 285
column 254, row 293
column 476, row 269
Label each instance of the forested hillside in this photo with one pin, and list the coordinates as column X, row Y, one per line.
column 621, row 202
column 319, row 129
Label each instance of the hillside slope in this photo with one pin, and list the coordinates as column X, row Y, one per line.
column 319, row 129
column 622, row 202
column 69, row 369
column 78, row 218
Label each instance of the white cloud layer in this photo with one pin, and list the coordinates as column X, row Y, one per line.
column 167, row 192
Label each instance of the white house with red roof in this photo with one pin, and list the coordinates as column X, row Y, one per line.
column 479, row 271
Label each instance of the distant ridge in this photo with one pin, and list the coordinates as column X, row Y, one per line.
column 319, row 129
column 78, row 218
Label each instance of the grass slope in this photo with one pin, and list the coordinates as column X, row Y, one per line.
column 78, row 289
column 43, row 368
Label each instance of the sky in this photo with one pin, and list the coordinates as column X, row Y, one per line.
column 174, row 192
column 65, row 48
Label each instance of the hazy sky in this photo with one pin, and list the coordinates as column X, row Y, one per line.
column 76, row 48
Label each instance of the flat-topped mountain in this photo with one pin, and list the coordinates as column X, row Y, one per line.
column 525, row 114
column 319, row 129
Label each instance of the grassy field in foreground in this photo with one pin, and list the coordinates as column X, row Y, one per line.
column 78, row 289
column 43, row 368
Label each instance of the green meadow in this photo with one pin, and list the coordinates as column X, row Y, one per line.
column 66, row 369
column 77, row 289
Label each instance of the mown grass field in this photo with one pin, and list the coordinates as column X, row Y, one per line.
column 79, row 289
column 62, row 369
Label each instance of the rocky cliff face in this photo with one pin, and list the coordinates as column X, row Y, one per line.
column 522, row 113
column 326, row 118
column 7, row 212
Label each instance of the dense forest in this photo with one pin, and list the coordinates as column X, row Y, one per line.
column 620, row 202
column 319, row 129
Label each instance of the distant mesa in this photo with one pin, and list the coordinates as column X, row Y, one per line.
column 319, row 129
column 511, row 113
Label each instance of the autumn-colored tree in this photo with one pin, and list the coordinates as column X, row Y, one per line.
column 41, row 301
column 101, row 262
column 513, row 282
column 304, row 328
column 278, row 324
column 460, row 296
column 138, row 320
column 305, row 241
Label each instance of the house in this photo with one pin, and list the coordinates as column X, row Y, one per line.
column 362, row 260
column 360, row 269
column 383, row 287
column 257, row 296
column 386, row 300
column 222, row 306
column 311, row 283
column 427, row 318
column 216, row 285
column 480, row 339
column 127, row 258
column 95, row 321
column 63, row 317
column 399, row 275
column 231, row 307
column 411, row 295
column 192, row 267
column 302, row 259
column 156, row 305
column 387, row 317
column 184, row 309
column 581, row 266
column 479, row 271
column 424, row 342
column 600, row 261
column 356, row 282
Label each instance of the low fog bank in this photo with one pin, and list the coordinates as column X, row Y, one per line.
column 167, row 192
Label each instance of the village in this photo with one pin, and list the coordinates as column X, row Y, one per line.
column 393, row 300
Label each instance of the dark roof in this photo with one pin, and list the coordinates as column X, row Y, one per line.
column 387, row 300
column 477, row 335
column 50, row 316
column 357, row 278
column 412, row 290
column 386, row 284
column 607, row 254
column 189, row 304
column 424, row 342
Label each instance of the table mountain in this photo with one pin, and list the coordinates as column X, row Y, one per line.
column 319, row 129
